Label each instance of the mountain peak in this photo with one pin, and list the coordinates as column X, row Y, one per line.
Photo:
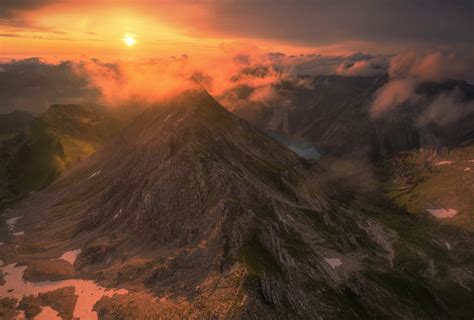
column 193, row 100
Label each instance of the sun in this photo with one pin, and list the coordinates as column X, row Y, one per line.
column 129, row 39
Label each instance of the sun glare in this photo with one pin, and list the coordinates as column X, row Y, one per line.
column 129, row 39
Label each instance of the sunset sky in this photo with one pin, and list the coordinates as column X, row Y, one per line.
column 100, row 29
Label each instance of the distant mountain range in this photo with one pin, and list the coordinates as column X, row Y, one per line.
column 334, row 113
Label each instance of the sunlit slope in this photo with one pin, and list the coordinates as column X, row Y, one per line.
column 61, row 137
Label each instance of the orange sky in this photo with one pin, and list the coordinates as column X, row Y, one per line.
column 95, row 29
column 77, row 30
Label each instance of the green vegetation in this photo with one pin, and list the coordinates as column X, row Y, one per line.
column 422, row 267
column 37, row 164
column 63, row 136
column 416, row 183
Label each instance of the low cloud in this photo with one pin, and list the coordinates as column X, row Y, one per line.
column 410, row 69
column 368, row 67
column 431, row 65
column 135, row 82
column 33, row 85
column 446, row 109
column 11, row 7
column 393, row 94
column 241, row 76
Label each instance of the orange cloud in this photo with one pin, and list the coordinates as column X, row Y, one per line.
column 392, row 95
column 139, row 82
column 149, row 80
column 430, row 65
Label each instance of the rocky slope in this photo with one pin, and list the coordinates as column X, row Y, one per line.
column 199, row 215
column 334, row 113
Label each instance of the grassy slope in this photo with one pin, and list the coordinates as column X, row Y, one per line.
column 440, row 247
column 60, row 138
column 417, row 184
column 432, row 256
column 424, row 268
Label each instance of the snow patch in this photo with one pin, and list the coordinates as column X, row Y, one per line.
column 88, row 292
column 333, row 262
column 48, row 313
column 70, row 256
column 12, row 222
column 19, row 233
column 95, row 174
column 443, row 213
column 441, row 163
column 2, row 243
column 117, row 214
column 447, row 245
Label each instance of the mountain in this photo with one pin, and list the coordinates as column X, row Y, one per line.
column 14, row 122
column 36, row 150
column 200, row 215
column 334, row 113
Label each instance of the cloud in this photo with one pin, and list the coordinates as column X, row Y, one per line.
column 393, row 24
column 243, row 78
column 138, row 82
column 320, row 22
column 407, row 70
column 9, row 8
column 33, row 85
column 393, row 94
column 432, row 65
column 363, row 67
column 146, row 81
column 446, row 109
column 36, row 37
column 242, row 75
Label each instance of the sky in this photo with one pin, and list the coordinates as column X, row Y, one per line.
column 161, row 28
column 115, row 52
